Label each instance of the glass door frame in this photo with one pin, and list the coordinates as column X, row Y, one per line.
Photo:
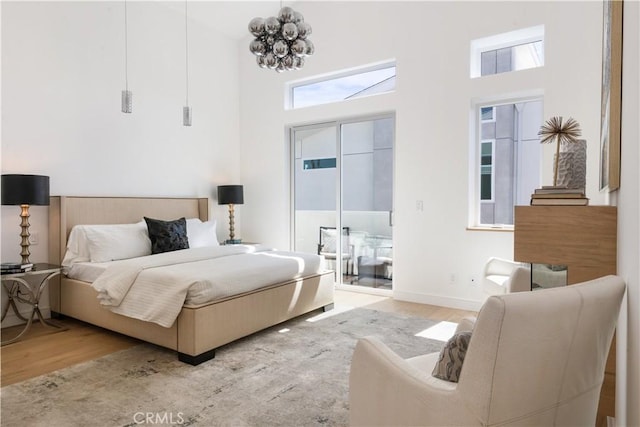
column 337, row 123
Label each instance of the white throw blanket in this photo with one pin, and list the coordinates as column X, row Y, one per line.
column 115, row 282
column 154, row 288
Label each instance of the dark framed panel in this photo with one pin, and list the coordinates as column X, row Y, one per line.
column 611, row 95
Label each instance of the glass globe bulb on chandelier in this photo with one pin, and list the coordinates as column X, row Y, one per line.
column 281, row 43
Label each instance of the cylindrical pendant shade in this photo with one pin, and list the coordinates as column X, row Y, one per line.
column 25, row 190
column 127, row 101
column 230, row 194
column 186, row 116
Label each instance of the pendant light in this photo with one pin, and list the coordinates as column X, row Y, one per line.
column 186, row 110
column 127, row 96
column 281, row 42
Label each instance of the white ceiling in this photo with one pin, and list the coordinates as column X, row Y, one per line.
column 230, row 17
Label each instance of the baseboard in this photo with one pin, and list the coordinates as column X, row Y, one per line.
column 439, row 300
column 365, row 290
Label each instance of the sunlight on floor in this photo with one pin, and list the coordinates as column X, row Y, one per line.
column 440, row 331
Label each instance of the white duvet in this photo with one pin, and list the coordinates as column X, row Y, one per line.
column 154, row 288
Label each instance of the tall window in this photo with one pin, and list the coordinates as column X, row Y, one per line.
column 342, row 177
column 486, row 170
column 487, row 114
column 507, row 152
column 508, row 156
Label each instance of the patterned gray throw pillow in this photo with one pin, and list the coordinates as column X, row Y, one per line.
column 167, row 236
column 451, row 357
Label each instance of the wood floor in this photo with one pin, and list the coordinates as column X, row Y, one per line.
column 44, row 350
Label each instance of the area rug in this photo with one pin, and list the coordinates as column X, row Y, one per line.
column 294, row 374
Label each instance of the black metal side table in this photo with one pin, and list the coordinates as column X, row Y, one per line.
column 27, row 287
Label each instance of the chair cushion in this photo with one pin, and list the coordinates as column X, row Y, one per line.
column 329, row 242
column 499, row 279
column 451, row 357
column 425, row 363
column 494, row 284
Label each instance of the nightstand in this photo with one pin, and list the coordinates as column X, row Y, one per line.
column 27, row 287
column 240, row 243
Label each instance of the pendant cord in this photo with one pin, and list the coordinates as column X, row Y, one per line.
column 186, row 51
column 126, row 50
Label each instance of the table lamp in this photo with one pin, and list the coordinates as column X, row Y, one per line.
column 231, row 195
column 23, row 191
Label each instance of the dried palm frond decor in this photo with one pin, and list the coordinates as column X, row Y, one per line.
column 567, row 133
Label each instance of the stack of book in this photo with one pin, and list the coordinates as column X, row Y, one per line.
column 15, row 267
column 550, row 195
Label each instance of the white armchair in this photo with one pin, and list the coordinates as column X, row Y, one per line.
column 502, row 276
column 534, row 358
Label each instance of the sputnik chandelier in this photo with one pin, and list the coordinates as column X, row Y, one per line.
column 281, row 43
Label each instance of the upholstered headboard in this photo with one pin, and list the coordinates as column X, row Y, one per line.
column 66, row 211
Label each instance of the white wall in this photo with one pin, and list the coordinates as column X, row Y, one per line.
column 430, row 41
column 628, row 367
column 62, row 73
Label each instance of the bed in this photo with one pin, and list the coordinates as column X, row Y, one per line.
column 199, row 329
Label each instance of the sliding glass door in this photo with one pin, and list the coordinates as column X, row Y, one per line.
column 343, row 197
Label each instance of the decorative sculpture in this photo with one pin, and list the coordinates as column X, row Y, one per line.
column 566, row 133
column 572, row 165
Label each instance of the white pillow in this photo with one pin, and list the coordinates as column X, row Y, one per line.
column 117, row 241
column 201, row 234
column 77, row 247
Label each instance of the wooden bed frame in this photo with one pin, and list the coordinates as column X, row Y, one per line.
column 198, row 330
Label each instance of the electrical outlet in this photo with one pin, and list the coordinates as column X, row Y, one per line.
column 34, row 239
column 419, row 205
column 452, row 279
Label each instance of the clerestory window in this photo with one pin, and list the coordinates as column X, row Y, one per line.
column 341, row 86
column 506, row 52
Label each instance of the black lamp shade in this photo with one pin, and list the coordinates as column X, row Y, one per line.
column 230, row 194
column 25, row 190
